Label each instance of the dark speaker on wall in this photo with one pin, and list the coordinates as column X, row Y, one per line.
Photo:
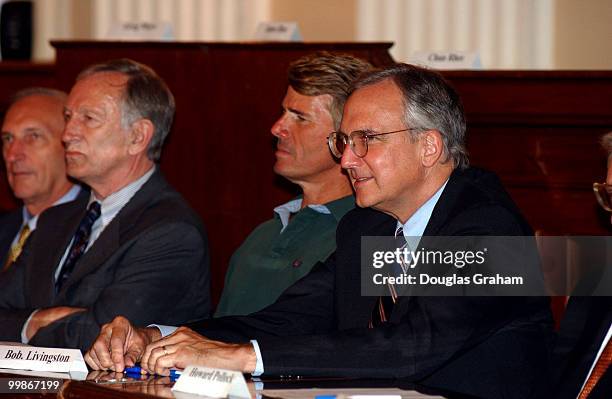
column 16, row 30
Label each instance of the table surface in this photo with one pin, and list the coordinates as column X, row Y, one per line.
column 102, row 385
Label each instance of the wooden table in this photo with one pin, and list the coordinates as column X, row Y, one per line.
column 102, row 385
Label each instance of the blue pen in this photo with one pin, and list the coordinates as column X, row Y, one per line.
column 138, row 370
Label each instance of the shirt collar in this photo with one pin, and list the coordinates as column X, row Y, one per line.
column 337, row 208
column 285, row 210
column 416, row 224
column 111, row 205
column 32, row 220
column 341, row 206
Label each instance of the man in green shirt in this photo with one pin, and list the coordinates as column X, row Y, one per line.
column 284, row 249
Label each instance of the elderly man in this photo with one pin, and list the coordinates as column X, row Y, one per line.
column 34, row 158
column 282, row 250
column 604, row 191
column 402, row 142
column 583, row 351
column 133, row 247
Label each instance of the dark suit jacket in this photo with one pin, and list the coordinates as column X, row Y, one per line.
column 10, row 223
column 583, row 328
column 150, row 264
column 483, row 346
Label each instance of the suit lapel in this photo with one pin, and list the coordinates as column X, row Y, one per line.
column 445, row 206
column 106, row 245
column 439, row 216
column 386, row 227
column 583, row 328
column 118, row 231
column 54, row 230
column 9, row 226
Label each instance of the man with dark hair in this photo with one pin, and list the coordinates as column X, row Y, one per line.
column 34, row 159
column 402, row 141
column 133, row 246
column 282, row 250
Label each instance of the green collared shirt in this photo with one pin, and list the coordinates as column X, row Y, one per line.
column 275, row 256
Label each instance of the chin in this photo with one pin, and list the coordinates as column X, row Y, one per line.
column 23, row 195
column 362, row 202
column 283, row 171
column 74, row 172
column 278, row 167
column 21, row 185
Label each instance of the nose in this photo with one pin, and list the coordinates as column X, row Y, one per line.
column 279, row 129
column 70, row 131
column 349, row 160
column 13, row 151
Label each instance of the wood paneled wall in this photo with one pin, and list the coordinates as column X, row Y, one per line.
column 220, row 152
column 538, row 130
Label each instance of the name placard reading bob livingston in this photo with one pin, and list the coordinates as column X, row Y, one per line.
column 36, row 355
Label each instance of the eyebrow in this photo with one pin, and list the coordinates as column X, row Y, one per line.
column 33, row 129
column 295, row 111
column 26, row 130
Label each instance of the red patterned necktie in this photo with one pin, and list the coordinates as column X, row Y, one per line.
column 598, row 371
column 384, row 304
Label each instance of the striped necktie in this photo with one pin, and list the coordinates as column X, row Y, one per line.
column 598, row 371
column 16, row 249
column 79, row 244
column 385, row 303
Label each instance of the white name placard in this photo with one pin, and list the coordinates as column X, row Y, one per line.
column 447, row 59
column 43, row 359
column 278, row 31
column 149, row 31
column 216, row 383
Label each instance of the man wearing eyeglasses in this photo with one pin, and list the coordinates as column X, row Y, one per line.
column 402, row 142
column 583, row 350
column 603, row 191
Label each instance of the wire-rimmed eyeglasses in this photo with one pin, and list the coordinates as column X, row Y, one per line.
column 603, row 193
column 357, row 140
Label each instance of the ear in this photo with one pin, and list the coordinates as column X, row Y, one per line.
column 609, row 178
column 432, row 147
column 141, row 133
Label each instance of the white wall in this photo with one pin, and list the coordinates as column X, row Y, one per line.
column 193, row 20
column 508, row 34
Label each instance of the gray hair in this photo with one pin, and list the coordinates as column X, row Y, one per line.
column 38, row 91
column 430, row 103
column 146, row 96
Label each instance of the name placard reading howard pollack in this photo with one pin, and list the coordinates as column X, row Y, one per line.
column 42, row 359
column 216, row 383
